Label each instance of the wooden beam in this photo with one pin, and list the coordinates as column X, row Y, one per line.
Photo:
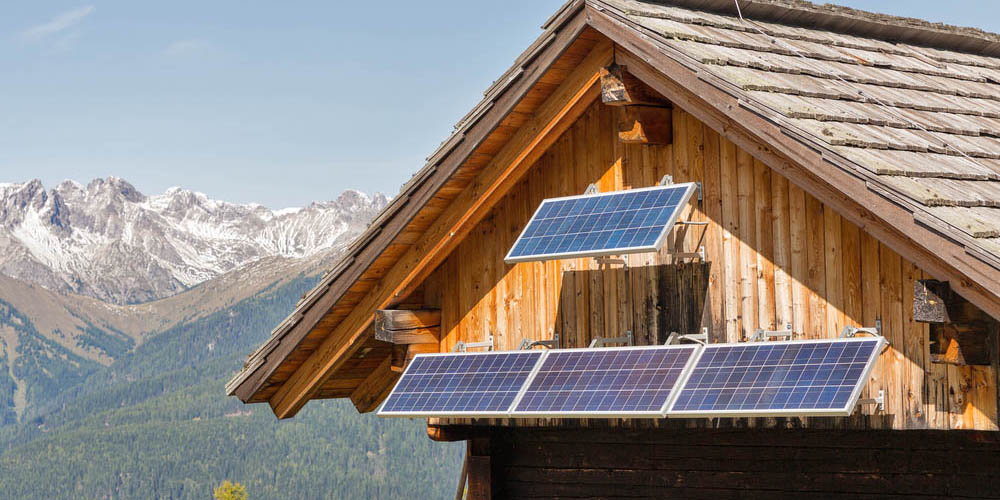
column 621, row 88
column 406, row 319
column 451, row 433
column 646, row 125
column 403, row 354
column 416, row 336
column 556, row 115
column 479, row 468
column 408, row 326
column 370, row 393
column 802, row 165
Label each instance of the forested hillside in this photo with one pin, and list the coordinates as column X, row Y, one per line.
column 156, row 424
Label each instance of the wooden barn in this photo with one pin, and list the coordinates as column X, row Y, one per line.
column 843, row 173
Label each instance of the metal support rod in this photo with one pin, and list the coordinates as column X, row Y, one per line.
column 852, row 331
column 461, row 346
column 666, row 180
column 604, row 341
column 880, row 400
column 700, row 254
column 760, row 335
column 676, row 338
column 549, row 344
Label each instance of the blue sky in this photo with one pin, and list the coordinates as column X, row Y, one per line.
column 280, row 103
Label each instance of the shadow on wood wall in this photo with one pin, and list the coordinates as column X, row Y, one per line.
column 649, row 301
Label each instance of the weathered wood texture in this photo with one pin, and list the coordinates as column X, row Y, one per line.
column 405, row 319
column 621, row 88
column 775, row 256
column 741, row 463
column 645, row 125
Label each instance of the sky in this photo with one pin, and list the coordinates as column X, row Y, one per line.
column 278, row 103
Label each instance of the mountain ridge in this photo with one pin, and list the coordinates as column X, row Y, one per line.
column 109, row 241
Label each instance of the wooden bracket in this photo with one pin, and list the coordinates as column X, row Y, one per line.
column 930, row 301
column 959, row 331
column 410, row 331
column 620, row 88
column 646, row 116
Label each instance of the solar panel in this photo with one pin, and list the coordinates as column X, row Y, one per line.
column 820, row 377
column 479, row 384
column 601, row 224
column 605, row 382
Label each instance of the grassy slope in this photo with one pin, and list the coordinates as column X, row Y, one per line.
column 156, row 423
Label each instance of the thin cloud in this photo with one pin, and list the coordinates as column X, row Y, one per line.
column 62, row 22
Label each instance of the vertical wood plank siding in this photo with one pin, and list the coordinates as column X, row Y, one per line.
column 775, row 254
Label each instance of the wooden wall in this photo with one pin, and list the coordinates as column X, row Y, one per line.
column 720, row 464
column 775, row 256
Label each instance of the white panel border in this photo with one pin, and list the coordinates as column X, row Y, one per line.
column 686, row 197
column 846, row 411
column 457, row 414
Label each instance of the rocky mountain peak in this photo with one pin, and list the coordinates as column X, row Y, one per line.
column 110, row 241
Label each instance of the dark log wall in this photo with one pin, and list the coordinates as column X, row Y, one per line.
column 775, row 256
column 741, row 463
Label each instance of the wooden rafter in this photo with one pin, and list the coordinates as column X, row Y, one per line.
column 367, row 396
column 562, row 108
column 254, row 384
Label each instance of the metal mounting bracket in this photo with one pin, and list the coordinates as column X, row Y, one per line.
column 461, row 346
column 700, row 254
column 549, row 344
column 853, row 331
column 880, row 400
column 667, row 180
column 604, row 341
column 676, row 338
column 761, row 335
column 698, row 190
column 591, row 189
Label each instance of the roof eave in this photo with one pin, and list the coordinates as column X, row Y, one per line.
column 471, row 130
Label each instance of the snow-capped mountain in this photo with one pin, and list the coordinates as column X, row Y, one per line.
column 109, row 241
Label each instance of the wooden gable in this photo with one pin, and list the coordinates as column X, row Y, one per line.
column 790, row 239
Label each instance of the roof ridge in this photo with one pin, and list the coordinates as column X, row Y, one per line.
column 853, row 21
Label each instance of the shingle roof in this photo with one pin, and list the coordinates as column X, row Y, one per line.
column 923, row 124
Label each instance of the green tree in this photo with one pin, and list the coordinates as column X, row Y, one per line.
column 230, row 491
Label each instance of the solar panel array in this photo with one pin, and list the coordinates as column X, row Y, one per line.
column 820, row 377
column 775, row 378
column 601, row 224
column 473, row 384
column 633, row 381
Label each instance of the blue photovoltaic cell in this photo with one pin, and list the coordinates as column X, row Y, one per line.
column 600, row 224
column 467, row 383
column 622, row 381
column 777, row 377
